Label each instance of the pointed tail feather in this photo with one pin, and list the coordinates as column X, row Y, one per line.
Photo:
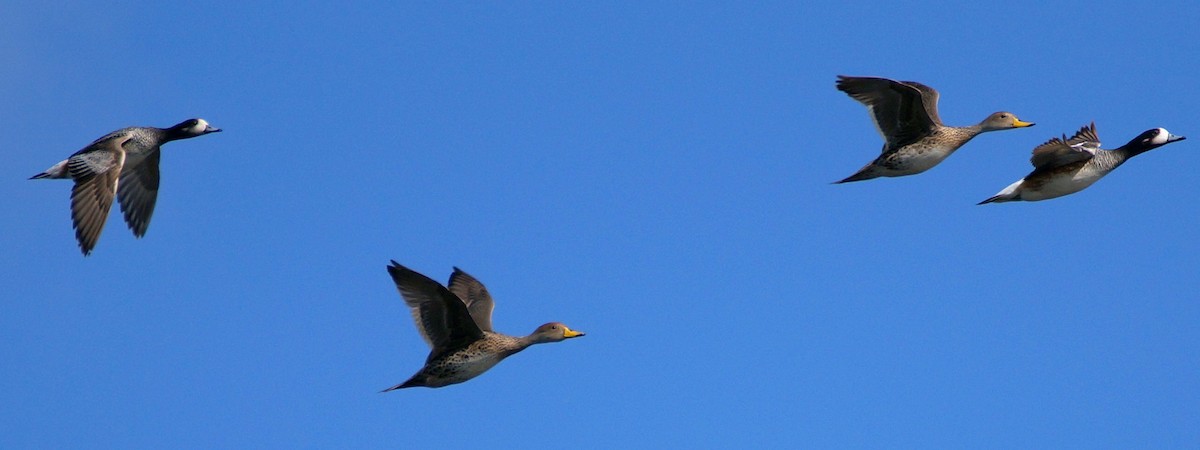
column 1010, row 193
column 398, row 386
column 993, row 199
column 412, row 382
column 864, row 174
column 56, row 171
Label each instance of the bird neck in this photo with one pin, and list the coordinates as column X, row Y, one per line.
column 523, row 343
column 978, row 128
column 173, row 134
column 1129, row 150
column 1107, row 160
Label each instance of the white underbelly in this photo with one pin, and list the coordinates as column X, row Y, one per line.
column 475, row 365
column 1060, row 186
column 911, row 162
column 926, row 160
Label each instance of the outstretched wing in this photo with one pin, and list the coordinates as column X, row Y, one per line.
column 138, row 192
column 441, row 318
column 478, row 300
column 899, row 110
column 929, row 99
column 96, row 170
column 1058, row 152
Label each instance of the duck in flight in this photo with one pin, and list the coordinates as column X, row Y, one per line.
column 905, row 114
column 1064, row 166
column 456, row 322
column 121, row 164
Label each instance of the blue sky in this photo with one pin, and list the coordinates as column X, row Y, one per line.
column 657, row 175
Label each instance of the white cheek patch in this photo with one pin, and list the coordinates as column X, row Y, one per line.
column 1161, row 137
column 199, row 127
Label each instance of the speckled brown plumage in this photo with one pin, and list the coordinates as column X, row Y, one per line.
column 458, row 329
column 905, row 114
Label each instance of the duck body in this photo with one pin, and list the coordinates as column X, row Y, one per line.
column 906, row 116
column 465, row 363
column 456, row 322
column 121, row 164
column 1062, row 181
column 101, row 154
column 1065, row 166
column 915, row 157
column 141, row 143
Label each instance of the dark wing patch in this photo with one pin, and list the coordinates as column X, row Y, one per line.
column 898, row 109
column 1086, row 138
column 138, row 192
column 929, row 99
column 478, row 300
column 441, row 318
column 1059, row 152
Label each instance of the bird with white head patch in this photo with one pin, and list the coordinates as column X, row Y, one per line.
column 121, row 164
column 1065, row 166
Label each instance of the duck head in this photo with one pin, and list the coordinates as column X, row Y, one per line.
column 1150, row 140
column 554, row 332
column 191, row 128
column 1003, row 120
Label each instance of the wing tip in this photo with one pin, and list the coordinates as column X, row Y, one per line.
column 395, row 268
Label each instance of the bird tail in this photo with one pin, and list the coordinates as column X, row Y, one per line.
column 412, row 382
column 56, row 171
column 864, row 174
column 1007, row 195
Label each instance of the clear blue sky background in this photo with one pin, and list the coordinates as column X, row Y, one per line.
column 656, row 175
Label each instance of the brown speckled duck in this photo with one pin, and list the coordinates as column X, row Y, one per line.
column 456, row 322
column 906, row 115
